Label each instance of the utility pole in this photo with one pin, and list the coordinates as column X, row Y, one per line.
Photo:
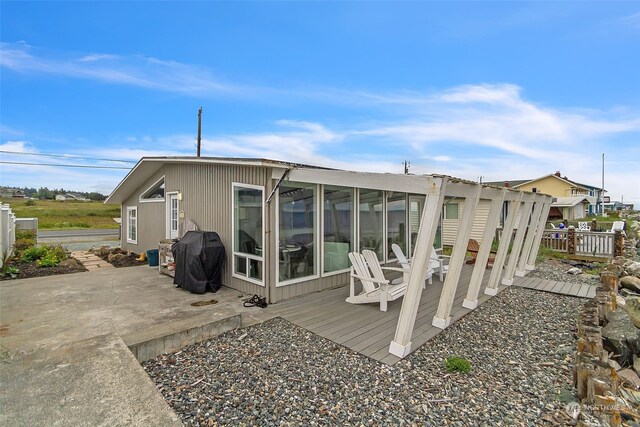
column 199, row 131
column 602, row 191
column 407, row 165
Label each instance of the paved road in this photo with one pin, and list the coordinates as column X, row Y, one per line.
column 89, row 234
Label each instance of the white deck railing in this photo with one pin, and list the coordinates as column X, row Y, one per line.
column 576, row 242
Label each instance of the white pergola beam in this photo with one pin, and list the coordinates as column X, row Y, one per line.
column 401, row 344
column 503, row 248
column 442, row 318
column 493, row 220
column 531, row 262
column 529, row 240
column 516, row 249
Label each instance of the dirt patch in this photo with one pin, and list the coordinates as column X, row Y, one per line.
column 31, row 269
column 119, row 258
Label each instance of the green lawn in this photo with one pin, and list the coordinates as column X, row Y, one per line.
column 53, row 214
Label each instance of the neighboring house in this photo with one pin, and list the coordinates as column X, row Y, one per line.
column 12, row 193
column 71, row 196
column 609, row 205
column 288, row 228
column 569, row 207
column 558, row 186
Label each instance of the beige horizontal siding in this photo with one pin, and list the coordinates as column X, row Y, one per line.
column 450, row 226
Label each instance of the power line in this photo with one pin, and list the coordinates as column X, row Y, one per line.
column 64, row 156
column 64, row 166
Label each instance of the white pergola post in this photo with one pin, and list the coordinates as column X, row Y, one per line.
column 493, row 219
column 516, row 248
column 442, row 319
column 401, row 344
column 532, row 231
column 531, row 262
column 505, row 240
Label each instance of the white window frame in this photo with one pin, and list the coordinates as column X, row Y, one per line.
column 235, row 185
column 384, row 223
column 316, row 241
column 129, row 210
column 168, row 212
column 354, row 214
column 444, row 211
column 141, row 199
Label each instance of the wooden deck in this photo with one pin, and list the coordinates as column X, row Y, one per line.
column 369, row 331
column 562, row 288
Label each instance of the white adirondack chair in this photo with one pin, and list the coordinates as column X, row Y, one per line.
column 375, row 287
column 406, row 265
column 618, row 226
column 438, row 264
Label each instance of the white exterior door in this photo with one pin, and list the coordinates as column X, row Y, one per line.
column 172, row 215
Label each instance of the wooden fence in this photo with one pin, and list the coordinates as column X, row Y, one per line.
column 593, row 244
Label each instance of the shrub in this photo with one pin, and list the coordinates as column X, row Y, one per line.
column 33, row 253
column 26, row 234
column 30, row 203
column 58, row 251
column 49, row 260
column 45, row 255
column 457, row 364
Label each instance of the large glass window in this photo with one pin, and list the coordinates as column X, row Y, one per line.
column 297, row 232
column 396, row 222
column 371, row 221
column 132, row 224
column 248, row 232
column 338, row 237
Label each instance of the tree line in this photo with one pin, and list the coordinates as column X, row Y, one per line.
column 46, row 193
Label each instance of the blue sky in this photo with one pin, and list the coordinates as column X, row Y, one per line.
column 502, row 90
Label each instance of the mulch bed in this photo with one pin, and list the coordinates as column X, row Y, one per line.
column 119, row 258
column 31, row 269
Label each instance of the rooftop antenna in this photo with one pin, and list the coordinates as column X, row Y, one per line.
column 199, row 131
column 407, row 165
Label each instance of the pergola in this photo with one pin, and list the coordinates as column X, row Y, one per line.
column 527, row 214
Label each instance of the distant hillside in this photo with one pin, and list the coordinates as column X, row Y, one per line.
column 44, row 193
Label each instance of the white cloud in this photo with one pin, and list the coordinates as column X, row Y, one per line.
column 17, row 146
column 134, row 70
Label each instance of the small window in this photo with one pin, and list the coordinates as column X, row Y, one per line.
column 534, row 190
column 155, row 192
column 451, row 211
column 132, row 225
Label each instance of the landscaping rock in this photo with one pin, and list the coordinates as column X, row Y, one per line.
column 633, row 269
column 629, row 378
column 620, row 301
column 71, row 263
column 283, row 375
column 631, row 283
column 574, row 270
column 626, row 293
column 115, row 257
column 621, row 337
column 632, row 307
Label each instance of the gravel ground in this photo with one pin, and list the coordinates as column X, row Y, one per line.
column 553, row 269
column 276, row 373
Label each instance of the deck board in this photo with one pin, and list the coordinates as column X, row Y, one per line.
column 369, row 331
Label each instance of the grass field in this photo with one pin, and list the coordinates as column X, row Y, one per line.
column 53, row 214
